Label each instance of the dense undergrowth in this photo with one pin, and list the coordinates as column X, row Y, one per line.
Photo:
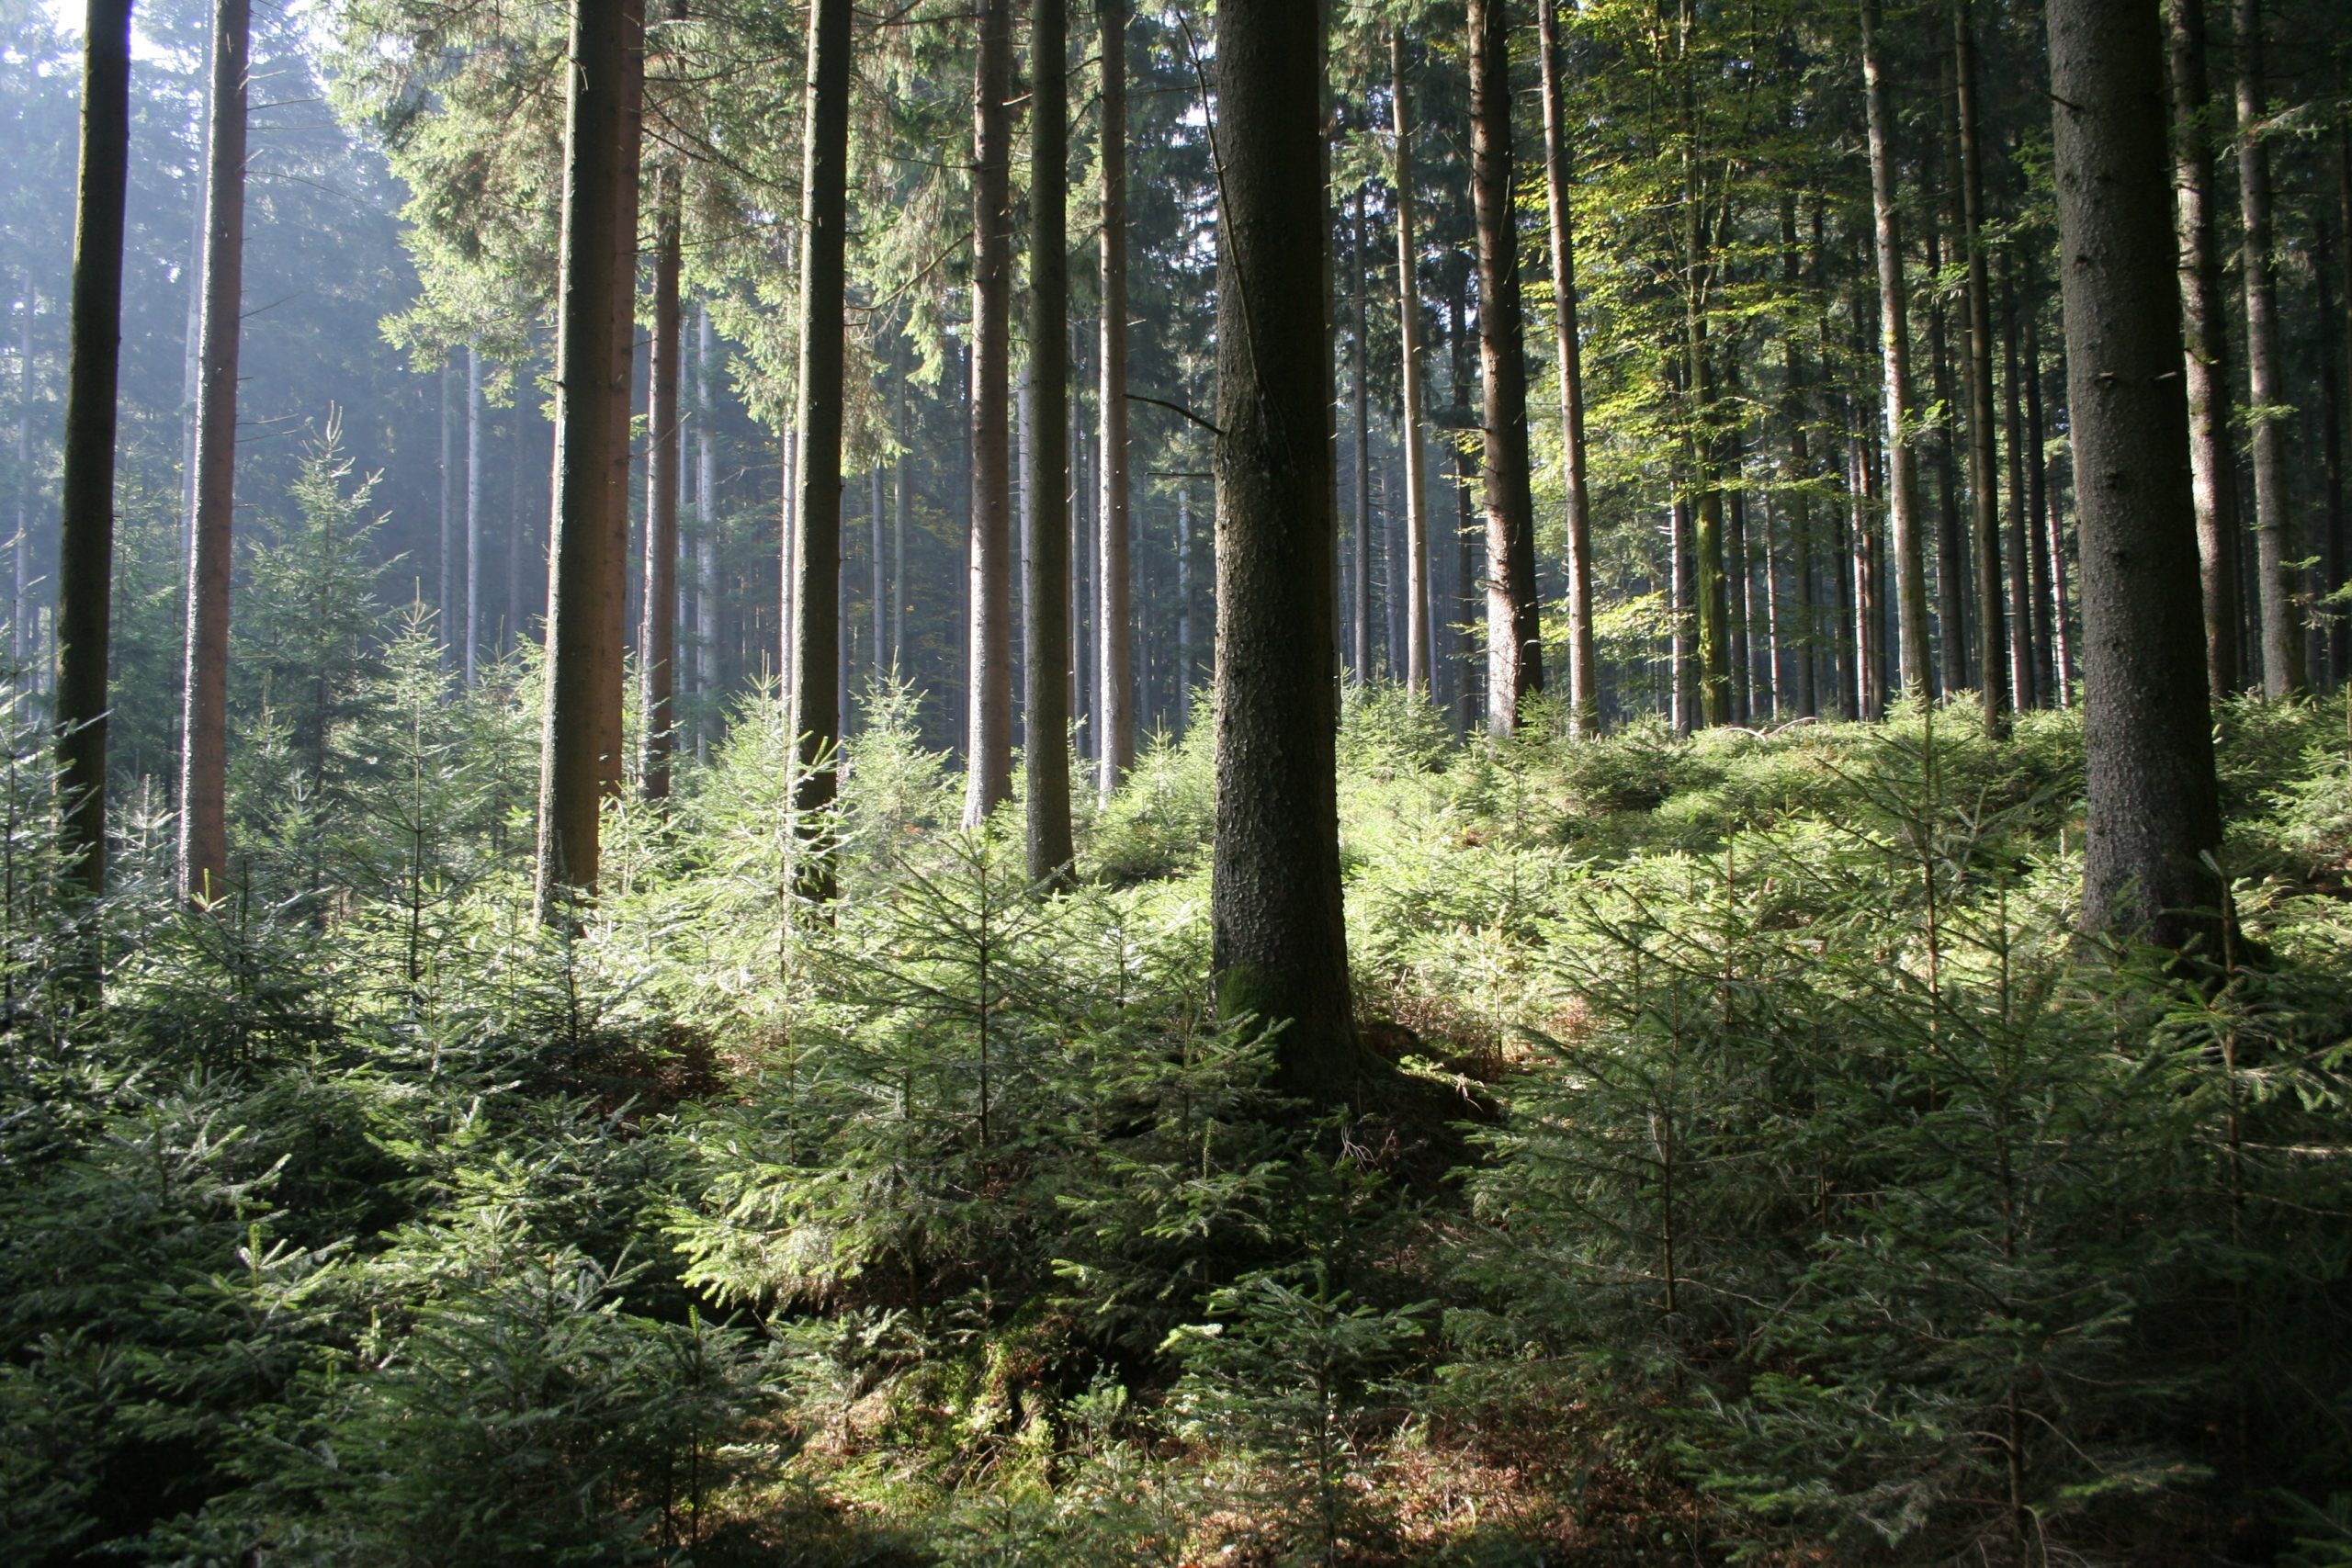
column 1767, row 1171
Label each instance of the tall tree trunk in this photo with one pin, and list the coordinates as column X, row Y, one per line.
column 898, row 545
column 1952, row 544
column 657, row 634
column 2020, row 555
column 989, row 724
column 1418, row 669
column 2340, row 543
column 817, row 554
column 192, row 348
column 1895, row 359
column 1803, row 619
column 583, row 655
column 443, row 620
column 86, row 521
column 1471, row 595
column 1185, row 672
column 1742, row 582
column 612, row 759
column 1118, row 613
column 21, row 548
column 204, row 713
column 1048, row 666
column 1359, row 361
column 473, row 511
column 2152, row 803
column 1992, row 632
column 1514, row 642
column 1278, row 930
column 705, row 531
column 2048, row 612
column 1584, row 709
column 2205, row 345
column 2326, row 665
column 2282, row 639
column 514, row 530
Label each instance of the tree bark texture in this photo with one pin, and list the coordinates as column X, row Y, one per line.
column 204, row 711
column 2283, row 637
column 583, row 653
column 1278, row 930
column 2152, row 803
column 1895, row 364
column 988, row 782
column 657, row 634
column 1992, row 631
column 1116, row 632
column 1048, row 665
column 1584, row 670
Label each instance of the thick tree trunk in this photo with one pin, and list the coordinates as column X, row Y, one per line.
column 1584, row 703
column 2283, row 637
column 1117, row 611
column 1514, row 642
column 2152, row 803
column 1049, row 668
column 583, row 645
column 1278, row 930
column 2205, row 345
column 988, row 782
column 204, row 713
column 1992, row 630
column 85, row 522
column 1895, row 360
column 817, row 544
column 657, row 633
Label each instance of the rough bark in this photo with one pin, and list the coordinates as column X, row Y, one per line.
column 1514, row 645
column 2152, row 803
column 2205, row 343
column 988, row 782
column 1278, row 931
column 579, row 645
column 2281, row 634
column 204, row 712
column 1895, row 364
column 1992, row 629
column 86, row 521
column 1116, row 635
column 1047, row 668
column 1584, row 698
column 816, row 718
column 1471, row 604
column 657, row 633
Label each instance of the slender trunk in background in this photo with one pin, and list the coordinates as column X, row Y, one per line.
column 1742, row 582
column 1117, row 609
column 1952, row 545
column 2324, row 664
column 589, row 290
column 22, row 548
column 816, row 721
column 989, row 722
column 204, row 712
column 2152, row 803
column 657, row 632
column 898, row 544
column 1775, row 683
column 2022, row 644
column 1992, row 631
column 878, row 654
column 2049, row 613
column 1419, row 671
column 2340, row 637
column 2205, row 345
column 1471, row 600
column 1870, row 688
column 706, row 529
column 1800, row 474
column 85, row 501
column 1895, row 360
column 2061, row 635
column 514, row 530
column 2282, row 639
column 1278, row 929
column 1840, row 565
column 473, row 511
column 1682, row 703
column 443, row 620
column 1584, row 703
column 1359, row 613
column 1046, row 700
column 1514, row 642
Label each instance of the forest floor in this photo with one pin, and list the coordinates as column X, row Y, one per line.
column 1756, row 1166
